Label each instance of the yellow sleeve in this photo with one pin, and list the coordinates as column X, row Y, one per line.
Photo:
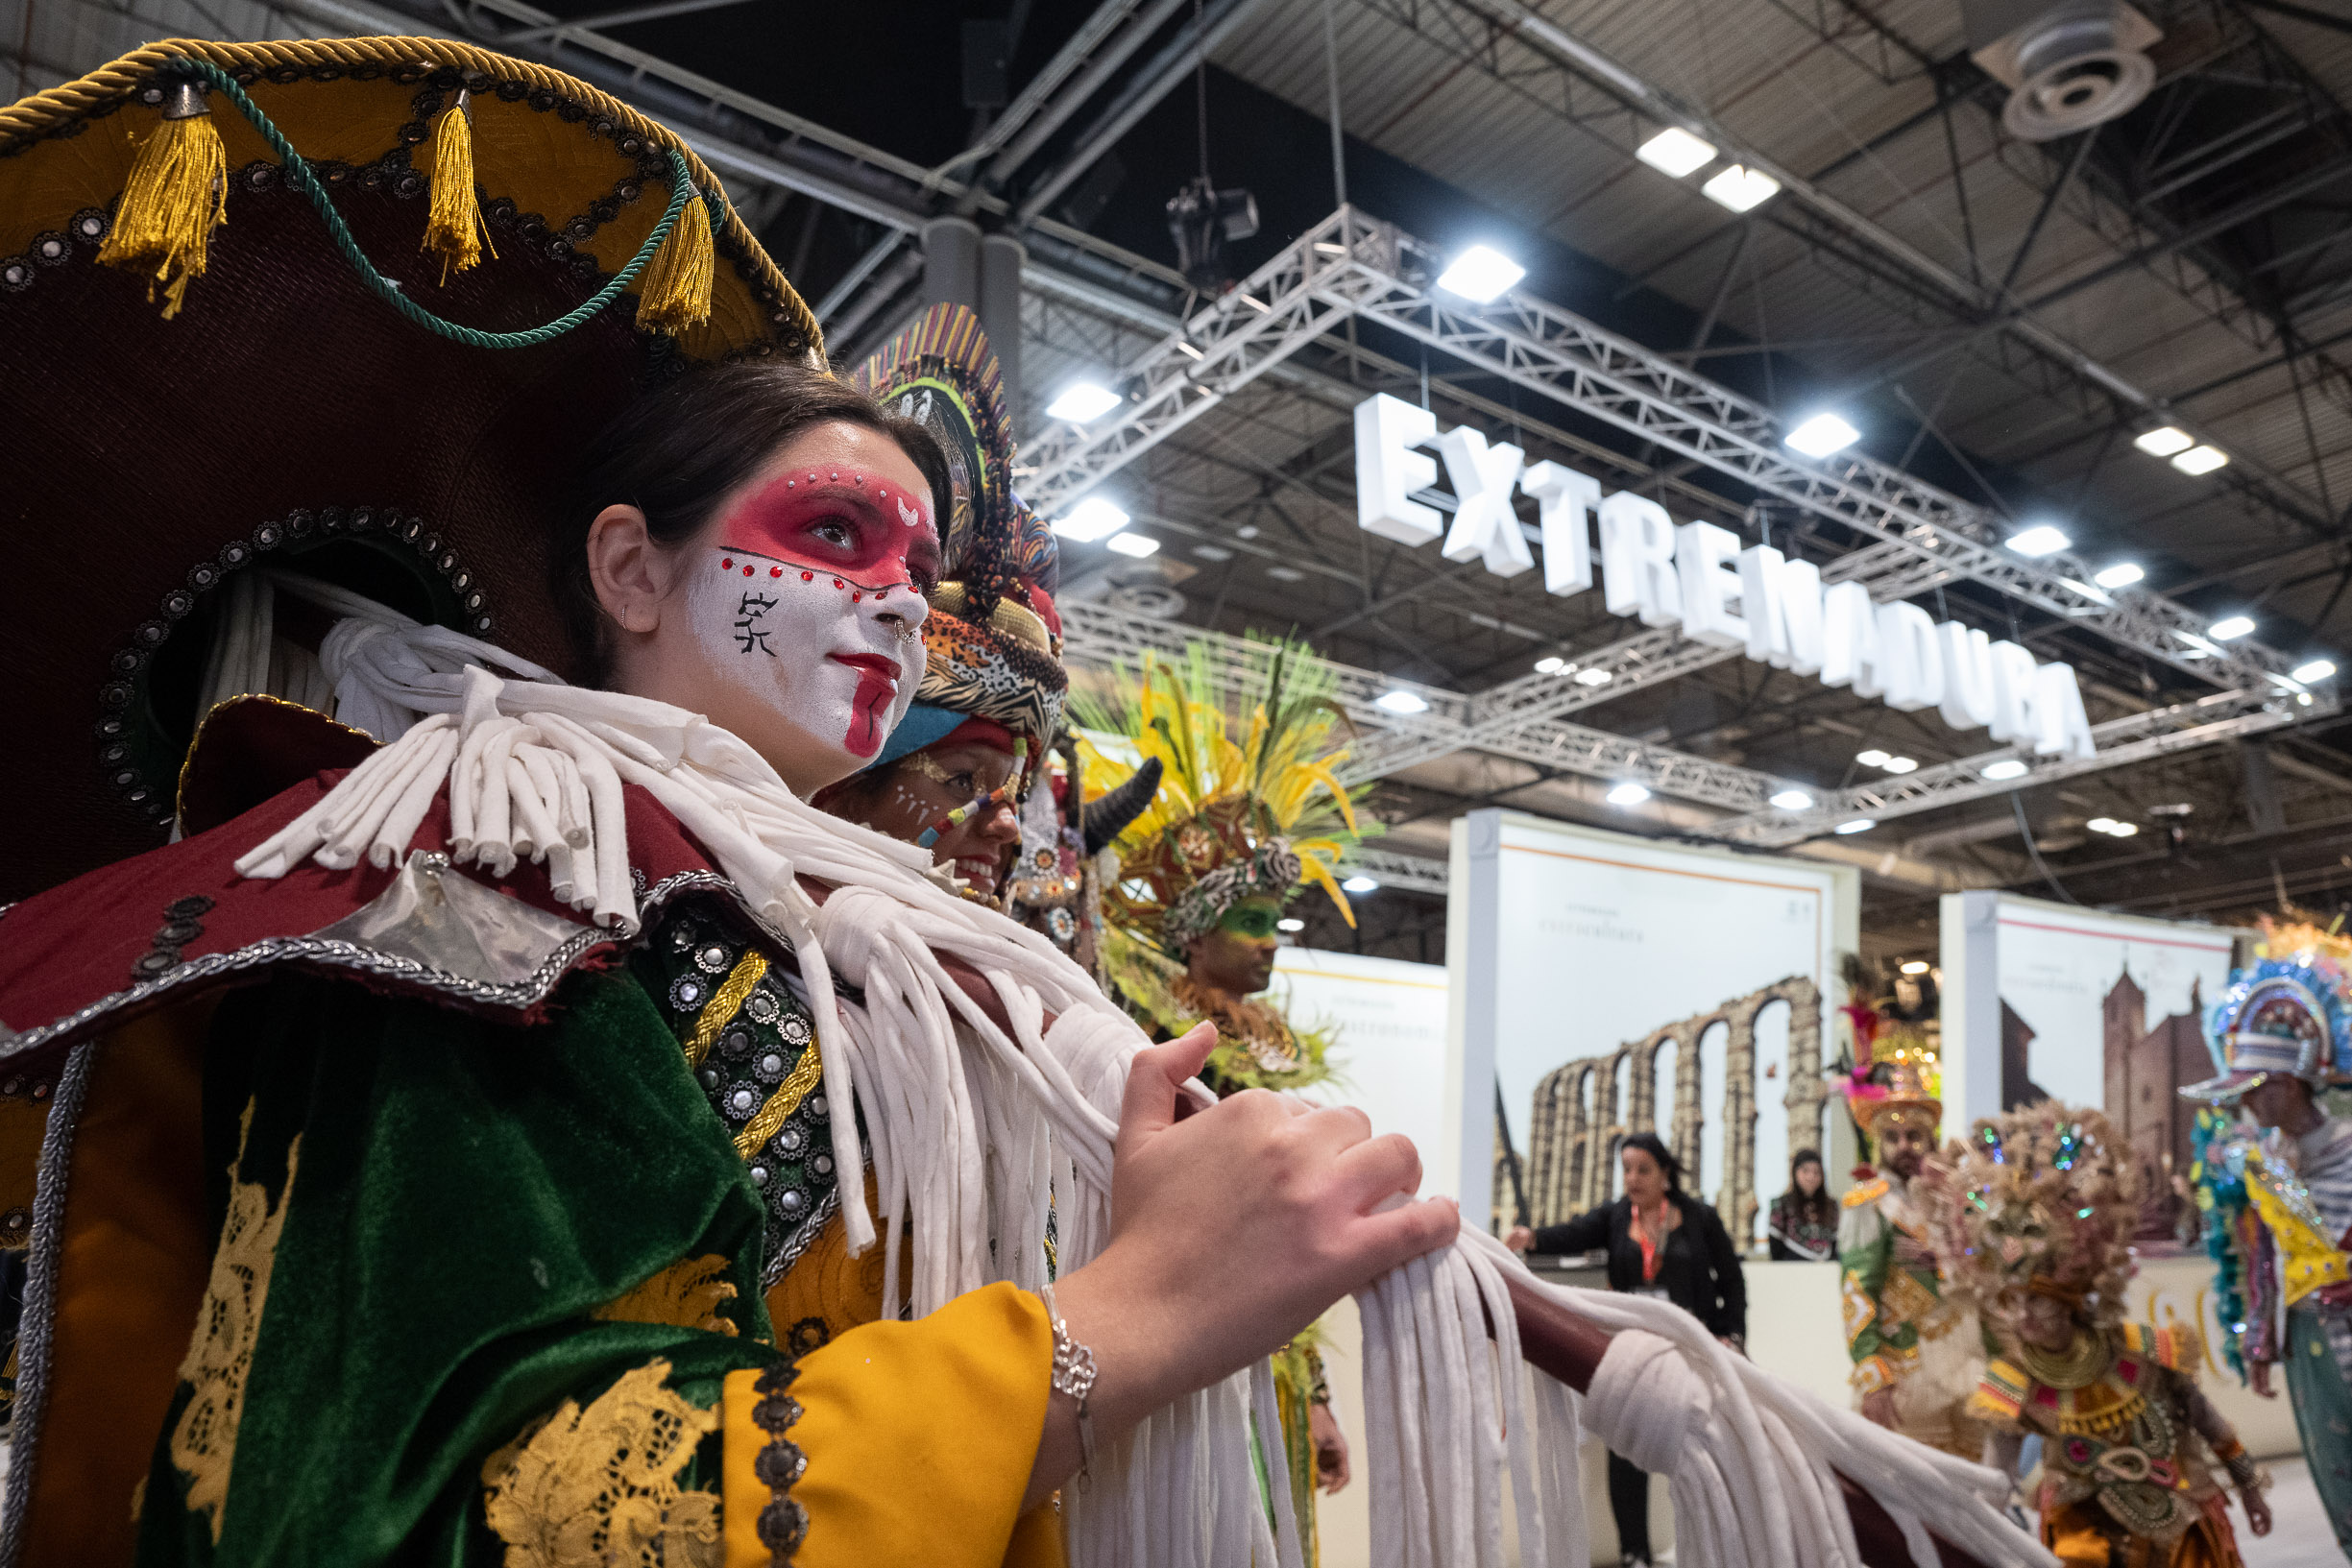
column 898, row 1443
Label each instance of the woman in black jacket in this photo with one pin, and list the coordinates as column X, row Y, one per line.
column 1661, row 1242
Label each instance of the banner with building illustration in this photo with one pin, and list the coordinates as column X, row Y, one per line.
column 1605, row 985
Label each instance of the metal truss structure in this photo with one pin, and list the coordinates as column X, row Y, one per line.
column 1351, row 265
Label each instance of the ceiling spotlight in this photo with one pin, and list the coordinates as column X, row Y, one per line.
column 1859, row 825
column 1628, row 793
column 2319, row 669
column 1551, row 666
column 1901, row 764
column 1740, row 187
column 1136, row 546
column 1285, row 574
column 1916, row 966
column 1082, row 403
column 1480, row 274
column 2008, row 767
column 1593, row 677
column 2040, row 539
column 2164, row 441
column 1676, row 152
column 2229, row 627
column 1823, row 434
column 2122, row 574
column 2100, row 825
column 1793, row 800
column 2201, row 460
column 1401, row 701
column 2125, row 829
column 1091, row 519
column 1290, row 924
column 1872, row 757
column 1360, row 883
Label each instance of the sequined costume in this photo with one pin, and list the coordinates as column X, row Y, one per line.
column 402, row 1210
column 2278, row 1209
column 2034, row 1212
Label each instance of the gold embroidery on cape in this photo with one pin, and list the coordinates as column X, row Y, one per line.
column 1859, row 1310
column 220, row 1357
column 805, row 1072
column 724, row 1004
column 687, row 1294
column 597, row 1487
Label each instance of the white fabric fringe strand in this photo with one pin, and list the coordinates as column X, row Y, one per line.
column 970, row 1128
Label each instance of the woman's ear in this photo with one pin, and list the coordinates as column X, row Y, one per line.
column 632, row 574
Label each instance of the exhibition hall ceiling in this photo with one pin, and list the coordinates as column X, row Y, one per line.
column 2000, row 317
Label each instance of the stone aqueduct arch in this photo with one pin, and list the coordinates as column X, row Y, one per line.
column 1577, row 1123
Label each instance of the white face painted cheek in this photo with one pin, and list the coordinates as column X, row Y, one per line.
column 765, row 641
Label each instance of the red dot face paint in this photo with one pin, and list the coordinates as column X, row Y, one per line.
column 847, row 523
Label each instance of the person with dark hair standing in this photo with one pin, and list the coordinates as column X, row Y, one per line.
column 1804, row 1223
column 1661, row 1242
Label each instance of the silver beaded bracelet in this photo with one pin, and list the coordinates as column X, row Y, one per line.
column 1073, row 1374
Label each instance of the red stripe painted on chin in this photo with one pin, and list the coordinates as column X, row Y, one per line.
column 869, row 709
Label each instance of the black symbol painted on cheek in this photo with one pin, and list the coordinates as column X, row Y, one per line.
column 748, row 632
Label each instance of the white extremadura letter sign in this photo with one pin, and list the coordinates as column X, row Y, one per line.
column 1695, row 575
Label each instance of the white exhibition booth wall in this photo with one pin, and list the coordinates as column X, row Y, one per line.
column 1388, row 1019
column 1604, row 984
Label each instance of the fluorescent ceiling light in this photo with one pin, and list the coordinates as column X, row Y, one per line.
column 2200, row 460
column 1903, row 764
column 1676, row 152
column 1793, row 800
column 1593, row 677
column 1916, row 966
column 1361, row 883
column 2122, row 574
column 1212, row 552
column 1859, row 825
column 1823, row 434
column 1480, row 274
column 2100, row 825
column 2040, row 539
column 1401, row 701
column 2125, row 829
column 1137, row 545
column 1092, row 518
column 1551, row 666
column 2319, row 669
column 2008, row 767
column 1872, row 757
column 2164, row 440
column 1285, row 574
column 1740, row 187
column 1628, row 793
column 2229, row 627
column 1290, row 924
column 1081, row 402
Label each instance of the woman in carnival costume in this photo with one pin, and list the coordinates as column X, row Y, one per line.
column 2034, row 1214
column 969, row 772
column 449, row 1148
column 1204, row 871
column 2278, row 1200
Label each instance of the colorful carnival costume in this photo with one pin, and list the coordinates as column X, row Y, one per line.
column 2034, row 1214
column 1233, row 832
column 2279, row 1207
column 1900, row 1330
column 467, row 1141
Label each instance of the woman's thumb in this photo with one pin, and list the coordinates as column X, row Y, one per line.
column 1155, row 1077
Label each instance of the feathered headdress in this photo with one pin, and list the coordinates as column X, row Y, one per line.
column 2042, row 1201
column 1894, row 1063
column 1233, row 818
column 2284, row 1013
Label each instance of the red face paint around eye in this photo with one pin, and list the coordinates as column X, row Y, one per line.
column 845, row 523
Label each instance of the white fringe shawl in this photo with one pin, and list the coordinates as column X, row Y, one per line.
column 971, row 1126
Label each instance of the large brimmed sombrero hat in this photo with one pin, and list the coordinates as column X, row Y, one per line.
column 349, row 310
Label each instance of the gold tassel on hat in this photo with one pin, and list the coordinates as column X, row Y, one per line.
column 455, row 227
column 674, row 293
column 178, row 191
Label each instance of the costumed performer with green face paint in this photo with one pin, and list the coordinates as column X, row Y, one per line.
column 1249, row 810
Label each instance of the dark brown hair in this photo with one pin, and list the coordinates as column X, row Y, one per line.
column 675, row 452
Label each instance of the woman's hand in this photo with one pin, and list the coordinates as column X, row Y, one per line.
column 1231, row 1230
column 1519, row 1238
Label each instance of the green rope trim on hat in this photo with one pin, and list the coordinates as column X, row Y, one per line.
column 299, row 174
